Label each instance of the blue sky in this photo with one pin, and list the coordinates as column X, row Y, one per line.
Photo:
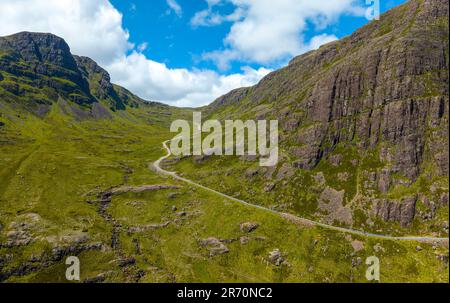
column 172, row 39
column 189, row 52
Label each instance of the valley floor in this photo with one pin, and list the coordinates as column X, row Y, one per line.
column 85, row 189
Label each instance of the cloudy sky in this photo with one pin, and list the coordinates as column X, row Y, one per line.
column 188, row 52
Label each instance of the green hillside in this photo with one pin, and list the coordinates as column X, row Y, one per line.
column 76, row 174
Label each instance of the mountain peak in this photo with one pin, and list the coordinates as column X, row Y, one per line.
column 40, row 47
column 44, row 62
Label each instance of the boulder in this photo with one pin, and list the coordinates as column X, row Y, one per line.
column 248, row 227
column 214, row 246
column 275, row 257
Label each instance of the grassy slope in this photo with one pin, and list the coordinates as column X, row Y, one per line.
column 52, row 166
column 298, row 192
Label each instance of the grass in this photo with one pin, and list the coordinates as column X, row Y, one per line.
column 52, row 166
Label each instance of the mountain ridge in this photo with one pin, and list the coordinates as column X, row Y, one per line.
column 44, row 61
column 368, row 114
column 344, row 84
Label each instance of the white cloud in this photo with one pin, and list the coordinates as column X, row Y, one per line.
column 94, row 28
column 317, row 41
column 173, row 4
column 270, row 31
column 142, row 47
column 182, row 87
column 208, row 17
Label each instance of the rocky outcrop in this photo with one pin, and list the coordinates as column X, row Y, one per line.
column 100, row 81
column 276, row 258
column 46, row 61
column 331, row 202
column 248, row 227
column 384, row 85
column 40, row 49
column 382, row 92
column 245, row 239
column 22, row 231
column 214, row 246
column 401, row 212
column 44, row 70
column 377, row 101
column 138, row 189
column 141, row 229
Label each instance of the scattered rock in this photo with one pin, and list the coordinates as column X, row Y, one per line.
column 443, row 201
column 59, row 252
column 140, row 229
column 275, row 257
column 172, row 195
column 419, row 248
column 297, row 220
column 245, row 239
column 20, row 232
column 269, row 187
column 357, row 245
column 336, row 160
column 331, row 201
column 75, row 238
column 200, row 159
column 442, row 257
column 285, row 172
column 137, row 189
column 135, row 203
column 378, row 248
column 214, row 245
column 251, row 172
column 98, row 279
column 320, row 178
column 445, row 226
column 248, row 227
column 125, row 262
column 356, row 262
column 18, row 238
column 343, row 177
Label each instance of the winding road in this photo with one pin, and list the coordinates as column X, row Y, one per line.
column 157, row 166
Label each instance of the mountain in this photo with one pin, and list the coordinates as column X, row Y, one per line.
column 39, row 69
column 364, row 127
column 364, row 134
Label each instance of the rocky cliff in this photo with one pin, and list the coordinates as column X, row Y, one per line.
column 379, row 96
column 38, row 69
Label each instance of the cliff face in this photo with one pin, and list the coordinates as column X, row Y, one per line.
column 382, row 91
column 39, row 69
column 42, row 61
